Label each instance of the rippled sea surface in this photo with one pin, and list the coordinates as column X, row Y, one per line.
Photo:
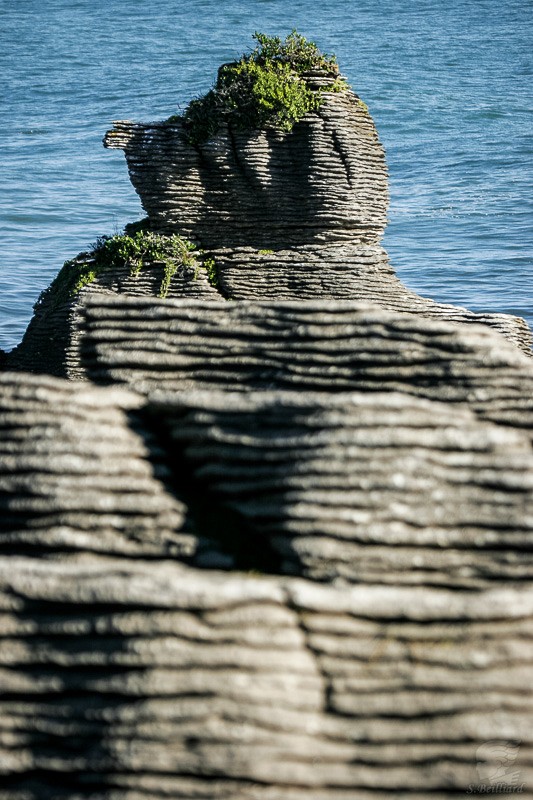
column 449, row 85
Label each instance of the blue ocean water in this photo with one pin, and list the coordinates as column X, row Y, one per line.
column 448, row 84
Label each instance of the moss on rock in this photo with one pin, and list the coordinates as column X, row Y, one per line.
column 133, row 249
column 267, row 88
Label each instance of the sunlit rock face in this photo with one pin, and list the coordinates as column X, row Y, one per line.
column 321, row 345
column 290, row 558
column 324, row 181
column 295, row 215
column 287, row 215
column 150, row 650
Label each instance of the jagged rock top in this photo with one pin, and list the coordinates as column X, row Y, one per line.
column 310, row 168
column 292, row 215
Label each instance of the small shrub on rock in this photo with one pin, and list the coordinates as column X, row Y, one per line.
column 267, row 88
column 115, row 252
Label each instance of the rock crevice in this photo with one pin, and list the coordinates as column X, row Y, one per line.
column 291, row 557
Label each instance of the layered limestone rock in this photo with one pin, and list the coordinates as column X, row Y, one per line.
column 323, row 181
column 160, row 681
column 125, row 675
column 291, row 559
column 50, row 343
column 284, row 214
column 76, row 477
column 293, row 215
column 302, row 346
column 375, row 488
column 366, row 487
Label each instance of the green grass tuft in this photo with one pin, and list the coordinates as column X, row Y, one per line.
column 263, row 89
column 131, row 250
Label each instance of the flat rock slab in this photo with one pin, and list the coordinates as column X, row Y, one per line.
column 157, row 680
column 343, row 271
column 74, row 475
column 305, row 346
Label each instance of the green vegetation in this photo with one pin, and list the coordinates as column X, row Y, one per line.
column 132, row 250
column 211, row 269
column 266, row 88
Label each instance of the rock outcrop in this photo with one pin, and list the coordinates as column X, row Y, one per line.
column 375, row 488
column 74, row 477
column 50, row 344
column 296, row 215
column 323, row 181
column 290, row 558
column 289, row 215
column 159, row 681
column 365, row 487
column 128, row 675
column 302, row 346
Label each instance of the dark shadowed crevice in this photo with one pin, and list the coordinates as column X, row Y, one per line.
column 225, row 538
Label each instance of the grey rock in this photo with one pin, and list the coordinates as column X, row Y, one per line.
column 288, row 215
column 128, row 675
column 365, row 488
column 324, row 180
column 296, row 215
column 303, row 346
column 387, row 691
column 355, row 487
column 74, row 476
column 49, row 345
column 357, row 440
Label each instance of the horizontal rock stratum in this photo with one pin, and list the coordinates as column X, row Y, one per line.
column 158, row 681
column 302, row 346
column 125, row 672
column 275, row 548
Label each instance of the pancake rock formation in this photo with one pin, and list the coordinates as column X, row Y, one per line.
column 288, row 214
column 272, row 549
column 390, row 643
column 293, row 215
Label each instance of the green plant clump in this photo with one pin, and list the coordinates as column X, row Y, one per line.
column 126, row 250
column 263, row 89
column 211, row 269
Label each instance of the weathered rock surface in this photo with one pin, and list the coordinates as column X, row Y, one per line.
column 75, row 477
column 162, row 681
column 325, row 180
column 303, row 346
column 364, row 487
column 357, row 442
column 294, row 215
column 287, row 215
column 135, row 677
column 375, row 488
column 49, row 344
